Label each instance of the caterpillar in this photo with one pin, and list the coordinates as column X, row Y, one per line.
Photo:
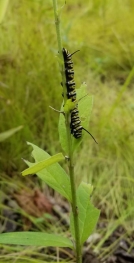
column 75, row 122
column 69, row 73
column 75, row 125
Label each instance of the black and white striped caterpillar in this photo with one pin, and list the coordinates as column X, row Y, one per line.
column 75, row 122
column 69, row 72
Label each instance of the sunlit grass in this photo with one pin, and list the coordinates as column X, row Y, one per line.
column 109, row 165
column 30, row 82
column 28, row 255
column 103, row 30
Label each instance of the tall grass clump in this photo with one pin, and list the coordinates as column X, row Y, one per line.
column 29, row 84
column 83, row 215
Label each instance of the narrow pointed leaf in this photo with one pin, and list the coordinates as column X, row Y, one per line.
column 35, row 239
column 53, row 175
column 3, row 8
column 43, row 164
column 5, row 135
column 88, row 214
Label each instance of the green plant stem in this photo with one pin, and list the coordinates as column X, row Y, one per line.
column 74, row 197
column 58, row 33
column 57, row 25
column 70, row 151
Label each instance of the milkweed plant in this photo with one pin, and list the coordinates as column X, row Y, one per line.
column 83, row 215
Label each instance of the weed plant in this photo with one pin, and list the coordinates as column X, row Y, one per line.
column 104, row 62
column 83, row 215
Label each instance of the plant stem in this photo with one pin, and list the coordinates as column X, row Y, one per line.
column 74, row 198
column 57, row 25
column 58, row 33
column 70, row 151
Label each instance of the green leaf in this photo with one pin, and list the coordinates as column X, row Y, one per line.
column 70, row 105
column 85, row 103
column 43, row 164
column 5, row 135
column 3, row 8
column 53, row 175
column 88, row 214
column 35, row 239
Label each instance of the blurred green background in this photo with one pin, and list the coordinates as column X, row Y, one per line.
column 30, row 82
